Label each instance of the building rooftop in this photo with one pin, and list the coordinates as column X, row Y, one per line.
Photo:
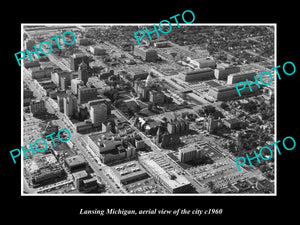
column 128, row 169
column 75, row 160
column 241, row 74
column 80, row 174
column 201, row 70
column 172, row 179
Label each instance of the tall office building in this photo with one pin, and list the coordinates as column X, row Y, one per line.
column 70, row 105
column 105, row 101
column 212, row 124
column 57, row 78
column 60, row 101
column 86, row 94
column 75, row 85
column 98, row 113
column 76, row 59
column 83, row 72
column 190, row 153
column 37, row 107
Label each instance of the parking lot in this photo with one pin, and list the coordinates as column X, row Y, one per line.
column 147, row 186
column 222, row 172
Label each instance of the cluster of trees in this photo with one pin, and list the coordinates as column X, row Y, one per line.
column 213, row 188
column 267, row 111
column 224, row 106
column 210, row 110
column 250, row 107
column 112, row 94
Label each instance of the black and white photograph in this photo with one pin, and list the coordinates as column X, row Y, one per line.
column 176, row 114
column 150, row 112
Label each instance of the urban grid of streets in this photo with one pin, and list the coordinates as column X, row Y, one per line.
column 101, row 171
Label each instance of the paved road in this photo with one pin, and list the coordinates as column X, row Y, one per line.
column 65, row 122
column 158, row 151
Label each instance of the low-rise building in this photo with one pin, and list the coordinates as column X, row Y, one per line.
column 241, row 76
column 224, row 70
column 128, row 172
column 76, row 163
column 171, row 180
column 147, row 54
column 199, row 74
column 202, row 63
column 97, row 51
column 229, row 92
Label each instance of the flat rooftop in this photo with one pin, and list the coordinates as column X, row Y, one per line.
column 176, row 182
column 75, row 160
column 128, row 169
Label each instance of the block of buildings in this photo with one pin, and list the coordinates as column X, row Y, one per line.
column 44, row 169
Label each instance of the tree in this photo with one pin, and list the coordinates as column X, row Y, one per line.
column 213, row 188
column 224, row 106
column 209, row 109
